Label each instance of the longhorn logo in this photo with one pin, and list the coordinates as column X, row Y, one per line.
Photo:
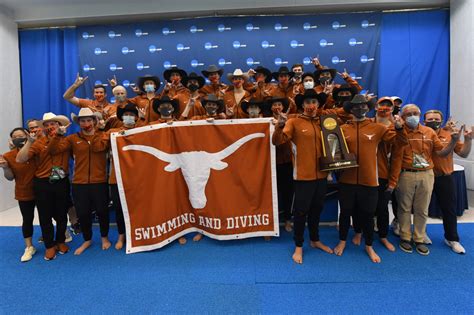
column 195, row 165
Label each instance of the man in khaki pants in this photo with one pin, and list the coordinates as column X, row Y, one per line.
column 416, row 179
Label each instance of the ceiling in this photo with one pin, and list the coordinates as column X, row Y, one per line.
column 50, row 13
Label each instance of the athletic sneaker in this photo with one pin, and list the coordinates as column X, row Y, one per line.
column 455, row 246
column 28, row 255
column 395, row 227
column 62, row 248
column 405, row 246
column 422, row 249
column 68, row 236
column 427, row 240
column 76, row 229
column 50, row 253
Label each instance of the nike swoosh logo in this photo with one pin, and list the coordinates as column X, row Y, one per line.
column 304, row 130
column 78, row 142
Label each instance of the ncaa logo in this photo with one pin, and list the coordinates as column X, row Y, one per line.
column 168, row 65
column 249, row 27
column 307, row 26
column 336, row 25
column 365, row 24
column 114, row 67
column 265, row 44
column 141, row 66
column 306, row 60
column 236, row 44
column 323, row 43
column 87, row 68
column 278, row 27
column 209, row 46
column 354, row 76
column 181, row 47
column 126, row 83
column 353, row 42
column 167, row 31
column 222, row 28
column 98, row 82
column 112, row 34
column 86, row 35
column 139, row 33
column 195, row 63
column 295, row 44
column 365, row 59
column 125, row 50
column 152, row 49
column 251, row 62
column 335, row 60
column 193, row 29
column 222, row 62
column 279, row 62
column 99, row 51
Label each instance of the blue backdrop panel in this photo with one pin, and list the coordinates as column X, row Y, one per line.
column 414, row 62
column 49, row 61
column 342, row 41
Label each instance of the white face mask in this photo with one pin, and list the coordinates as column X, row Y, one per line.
column 308, row 85
column 128, row 120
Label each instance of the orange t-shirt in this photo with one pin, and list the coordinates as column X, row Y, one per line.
column 24, row 174
column 106, row 109
column 45, row 160
column 444, row 165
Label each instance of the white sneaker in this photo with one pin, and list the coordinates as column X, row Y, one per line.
column 68, row 236
column 28, row 255
column 427, row 240
column 395, row 227
column 455, row 246
column 376, row 229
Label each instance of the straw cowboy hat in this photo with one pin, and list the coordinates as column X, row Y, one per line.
column 85, row 112
column 237, row 73
column 62, row 120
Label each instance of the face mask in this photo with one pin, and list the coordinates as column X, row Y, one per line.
column 359, row 112
column 308, row 85
column 165, row 112
column 19, row 142
column 310, row 109
column 193, row 87
column 100, row 98
column 412, row 121
column 211, row 111
column 433, row 124
column 253, row 112
column 128, row 120
column 149, row 88
column 297, row 75
column 396, row 110
column 120, row 98
column 324, row 80
column 343, row 99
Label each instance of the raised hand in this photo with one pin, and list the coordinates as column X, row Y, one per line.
column 451, row 123
column 113, row 82
column 31, row 137
column 456, row 133
column 62, row 130
column 230, row 110
column 328, row 88
column 398, row 122
column 468, row 132
column 344, row 74
column 251, row 72
column 3, row 162
column 80, row 80
column 135, row 89
column 315, row 61
column 282, row 119
column 141, row 113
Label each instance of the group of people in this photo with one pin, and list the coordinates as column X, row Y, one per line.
column 398, row 158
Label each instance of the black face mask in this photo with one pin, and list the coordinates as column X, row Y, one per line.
column 19, row 142
column 433, row 124
column 211, row 111
column 324, row 80
column 342, row 99
column 396, row 110
column 165, row 112
column 359, row 113
column 193, row 87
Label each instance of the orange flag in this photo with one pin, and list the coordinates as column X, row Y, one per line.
column 215, row 178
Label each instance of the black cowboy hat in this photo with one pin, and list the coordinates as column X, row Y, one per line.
column 129, row 107
column 343, row 87
column 193, row 76
column 212, row 69
column 166, row 99
column 284, row 101
column 141, row 81
column 253, row 101
column 267, row 73
column 282, row 70
column 317, row 73
column 310, row 94
column 211, row 98
column 359, row 99
column 168, row 72
column 307, row 74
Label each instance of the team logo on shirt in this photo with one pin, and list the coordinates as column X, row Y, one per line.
column 369, row 136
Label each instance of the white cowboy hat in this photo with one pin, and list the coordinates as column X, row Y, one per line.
column 62, row 120
column 237, row 73
column 85, row 112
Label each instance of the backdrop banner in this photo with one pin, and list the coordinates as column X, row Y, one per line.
column 216, row 178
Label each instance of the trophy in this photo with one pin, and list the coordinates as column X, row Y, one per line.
column 335, row 151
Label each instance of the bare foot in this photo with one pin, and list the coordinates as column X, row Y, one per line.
column 356, row 239
column 182, row 240
column 372, row 254
column 298, row 255
column 83, row 247
column 197, row 237
column 120, row 242
column 105, row 243
column 339, row 249
column 267, row 238
column 387, row 244
column 321, row 246
column 288, row 226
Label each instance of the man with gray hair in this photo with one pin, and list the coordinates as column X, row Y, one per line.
column 414, row 163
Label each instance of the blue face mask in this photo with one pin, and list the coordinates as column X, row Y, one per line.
column 149, row 88
column 128, row 120
column 412, row 121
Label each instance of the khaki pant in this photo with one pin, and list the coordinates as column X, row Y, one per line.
column 414, row 192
